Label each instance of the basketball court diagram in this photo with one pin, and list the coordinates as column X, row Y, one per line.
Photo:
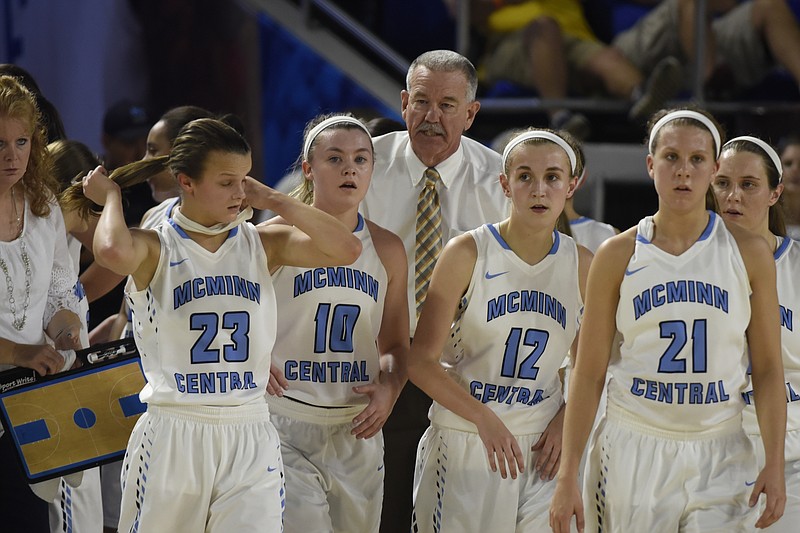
column 68, row 424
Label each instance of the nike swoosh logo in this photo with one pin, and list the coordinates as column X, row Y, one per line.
column 380, row 468
column 749, row 484
column 634, row 271
column 490, row 276
column 176, row 263
column 272, row 468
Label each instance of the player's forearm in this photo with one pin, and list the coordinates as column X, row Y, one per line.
column 434, row 381
column 770, row 401
column 581, row 408
column 393, row 365
column 330, row 236
column 7, row 351
column 113, row 241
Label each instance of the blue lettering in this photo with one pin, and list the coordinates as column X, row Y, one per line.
column 786, row 318
column 302, row 283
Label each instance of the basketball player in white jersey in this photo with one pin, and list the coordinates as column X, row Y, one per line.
column 685, row 293
column 341, row 344
column 205, row 457
column 748, row 188
column 515, row 289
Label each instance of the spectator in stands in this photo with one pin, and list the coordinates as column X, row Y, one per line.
column 432, row 165
column 547, row 45
column 789, row 150
column 744, row 43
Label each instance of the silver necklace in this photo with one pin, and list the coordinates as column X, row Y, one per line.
column 18, row 323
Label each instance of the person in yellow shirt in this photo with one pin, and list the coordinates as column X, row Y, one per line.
column 548, row 46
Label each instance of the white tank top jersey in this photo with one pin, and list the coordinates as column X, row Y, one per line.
column 328, row 323
column 682, row 361
column 159, row 213
column 154, row 217
column 206, row 324
column 514, row 327
column 787, row 263
column 590, row 233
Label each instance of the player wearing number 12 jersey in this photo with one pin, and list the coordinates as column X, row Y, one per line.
column 515, row 290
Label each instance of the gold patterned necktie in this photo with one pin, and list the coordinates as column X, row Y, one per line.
column 429, row 234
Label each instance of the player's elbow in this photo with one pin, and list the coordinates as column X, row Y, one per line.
column 349, row 250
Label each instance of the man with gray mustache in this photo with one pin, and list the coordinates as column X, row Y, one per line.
column 456, row 179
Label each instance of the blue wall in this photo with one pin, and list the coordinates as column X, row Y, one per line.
column 298, row 84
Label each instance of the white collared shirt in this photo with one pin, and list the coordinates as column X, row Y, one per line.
column 470, row 193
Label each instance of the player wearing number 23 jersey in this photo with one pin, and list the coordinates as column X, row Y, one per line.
column 210, row 318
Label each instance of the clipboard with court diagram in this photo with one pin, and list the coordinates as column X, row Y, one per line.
column 74, row 420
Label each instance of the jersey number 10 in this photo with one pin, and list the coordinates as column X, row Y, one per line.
column 340, row 323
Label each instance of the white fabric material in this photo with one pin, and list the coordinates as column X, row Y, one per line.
column 470, row 196
column 776, row 160
column 683, row 361
column 190, row 225
column 205, row 326
column 334, row 482
column 640, row 479
column 685, row 113
column 791, row 515
column 328, row 122
column 151, row 219
column 513, row 329
column 78, row 508
column 47, row 249
column 590, row 233
column 455, row 490
column 552, row 137
column 328, row 323
column 787, row 264
column 233, row 482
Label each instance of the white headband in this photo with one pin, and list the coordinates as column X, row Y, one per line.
column 581, row 178
column 764, row 146
column 685, row 113
column 338, row 119
column 539, row 134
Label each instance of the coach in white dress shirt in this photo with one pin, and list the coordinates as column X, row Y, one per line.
column 438, row 106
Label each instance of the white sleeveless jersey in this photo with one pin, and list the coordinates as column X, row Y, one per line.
column 514, row 327
column 683, row 319
column 205, row 325
column 328, row 325
column 787, row 263
column 590, row 233
column 154, row 217
column 159, row 213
